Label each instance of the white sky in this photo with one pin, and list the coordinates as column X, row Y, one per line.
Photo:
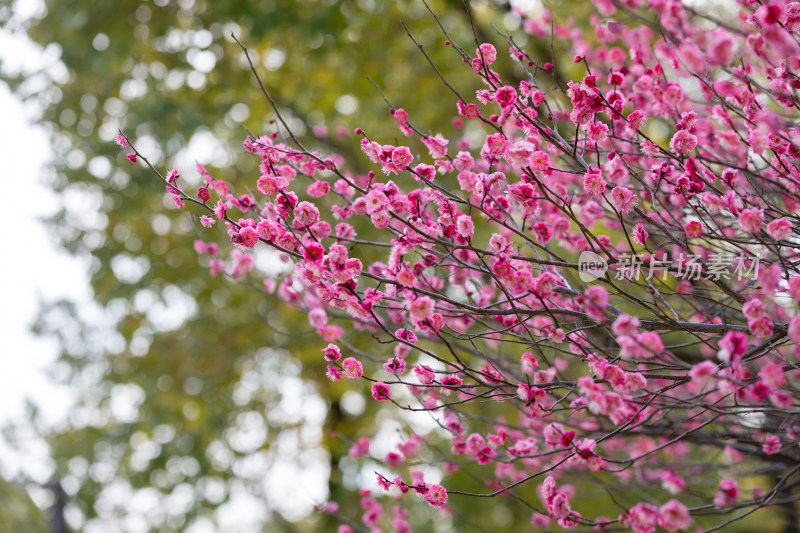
column 32, row 267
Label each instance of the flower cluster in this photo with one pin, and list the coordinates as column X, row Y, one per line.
column 677, row 137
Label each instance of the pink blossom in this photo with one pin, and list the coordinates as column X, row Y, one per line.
column 529, row 363
column 360, row 448
column 672, row 483
column 376, row 201
column 220, row 210
column 206, row 221
column 352, row 368
column 772, row 376
column 623, row 199
column 427, row 172
column 701, row 372
column 317, row 317
column 540, row 521
column 332, row 353
column 772, row 445
column 249, row 236
column 652, row 343
column 540, row 161
column 779, row 229
column 436, row 495
column 754, row 309
column 306, row 214
column 519, row 153
column 270, row 185
column 761, row 327
column 333, row 373
column 424, row 374
column 496, row 145
column 543, row 284
column 593, row 182
column 597, row 132
column 693, row 229
column 644, row 518
column 381, row 391
column 395, row 366
column 728, row 492
column 121, row 141
column 421, row 309
column 674, row 516
column 732, row 346
column 465, row 227
column 751, row 219
column 497, row 243
column 625, row 325
column 401, row 157
column 437, row 145
column 487, row 53
column 318, row 189
column 506, row 96
column 639, row 234
column 683, row 142
column 637, row 119
column 242, row 263
column 559, row 506
column 597, row 295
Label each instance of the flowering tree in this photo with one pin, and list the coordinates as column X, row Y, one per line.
column 592, row 293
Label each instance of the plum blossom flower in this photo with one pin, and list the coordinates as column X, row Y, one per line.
column 436, row 495
column 465, row 227
column 421, row 309
column 693, row 229
column 518, row 154
column 487, row 53
column 702, row 372
column 395, row 365
column 306, row 214
column 779, row 229
column 333, row 373
column 505, row 96
column 728, row 492
column 381, row 391
column 593, row 182
column 249, row 236
column 540, row 161
column 673, row 516
column 625, row 325
column 637, row 119
column 639, row 234
column 751, row 219
column 772, row 445
column 761, row 327
column 643, row 518
column 683, row 142
column 623, row 198
column 353, row 369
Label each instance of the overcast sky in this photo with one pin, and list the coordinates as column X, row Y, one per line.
column 32, row 267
